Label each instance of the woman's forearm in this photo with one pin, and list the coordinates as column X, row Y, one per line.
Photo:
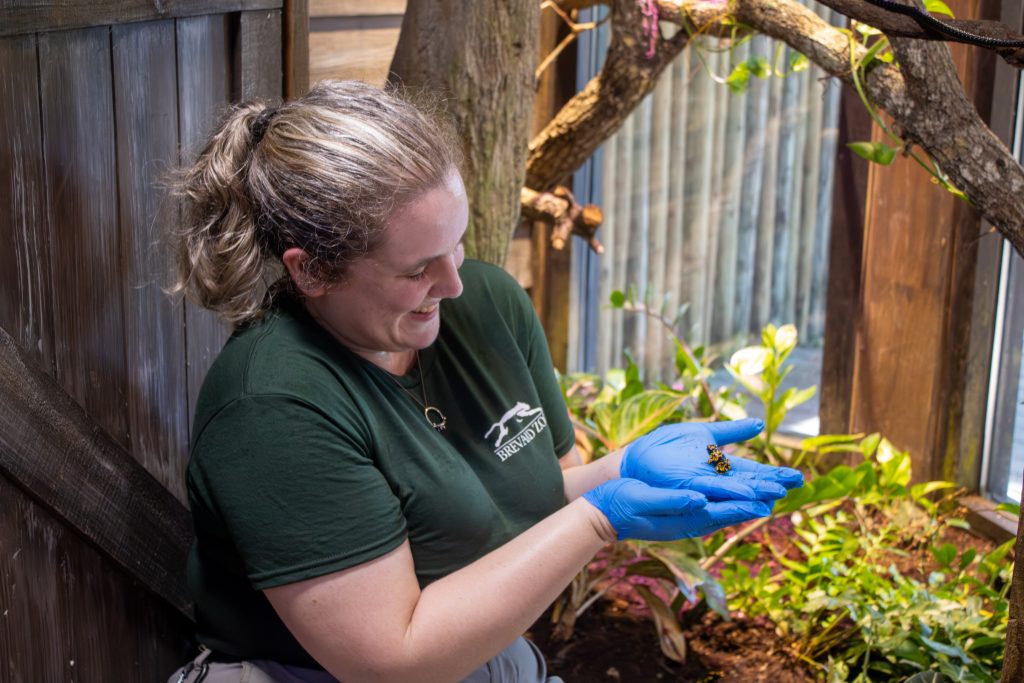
column 580, row 479
column 373, row 623
column 489, row 603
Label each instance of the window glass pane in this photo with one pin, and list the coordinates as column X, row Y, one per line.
column 1003, row 465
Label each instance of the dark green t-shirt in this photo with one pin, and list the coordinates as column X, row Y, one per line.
column 307, row 459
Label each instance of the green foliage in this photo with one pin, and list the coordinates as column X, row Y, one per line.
column 833, row 585
column 877, row 152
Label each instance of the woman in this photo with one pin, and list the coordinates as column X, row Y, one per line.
column 383, row 478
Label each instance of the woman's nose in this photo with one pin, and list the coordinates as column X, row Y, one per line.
column 449, row 285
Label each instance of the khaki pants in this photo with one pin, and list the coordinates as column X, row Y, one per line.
column 520, row 662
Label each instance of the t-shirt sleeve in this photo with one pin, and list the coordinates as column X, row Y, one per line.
column 298, row 494
column 534, row 346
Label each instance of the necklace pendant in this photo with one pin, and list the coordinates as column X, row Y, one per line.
column 435, row 417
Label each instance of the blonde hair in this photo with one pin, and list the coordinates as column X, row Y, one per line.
column 323, row 173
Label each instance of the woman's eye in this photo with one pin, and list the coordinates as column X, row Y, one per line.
column 417, row 276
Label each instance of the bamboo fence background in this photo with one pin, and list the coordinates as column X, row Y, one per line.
column 719, row 201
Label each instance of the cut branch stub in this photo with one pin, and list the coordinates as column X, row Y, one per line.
column 560, row 209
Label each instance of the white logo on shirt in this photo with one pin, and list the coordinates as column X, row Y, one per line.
column 528, row 421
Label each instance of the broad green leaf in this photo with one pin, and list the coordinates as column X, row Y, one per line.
column 640, row 414
column 617, row 299
column 738, row 79
column 1012, row 508
column 924, row 488
column 813, row 443
column 759, row 66
column 938, row 7
column 798, row 62
column 877, row 152
column 799, row 397
column 944, row 554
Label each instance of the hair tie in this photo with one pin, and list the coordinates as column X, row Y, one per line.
column 259, row 126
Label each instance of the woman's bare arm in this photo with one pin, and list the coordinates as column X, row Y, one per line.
column 373, row 623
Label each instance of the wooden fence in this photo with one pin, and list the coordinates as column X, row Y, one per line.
column 99, row 100
column 720, row 201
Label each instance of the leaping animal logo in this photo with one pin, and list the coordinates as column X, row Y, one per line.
column 520, row 411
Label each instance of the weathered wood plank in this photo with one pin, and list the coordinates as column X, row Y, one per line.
column 25, row 306
column 147, row 148
column 750, row 193
column 342, row 8
column 78, row 134
column 784, row 193
column 204, row 90
column 660, row 143
column 18, row 17
column 809, row 210
column 258, row 56
column 700, row 117
column 732, row 151
column 296, row 48
column 719, row 63
column 363, row 54
column 68, row 613
column 637, row 276
column 52, row 449
column 676, row 249
column 764, row 266
column 846, row 245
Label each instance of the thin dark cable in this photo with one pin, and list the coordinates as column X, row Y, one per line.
column 928, row 21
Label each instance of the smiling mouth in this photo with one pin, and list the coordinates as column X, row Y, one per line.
column 425, row 309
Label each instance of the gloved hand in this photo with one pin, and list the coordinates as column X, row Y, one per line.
column 639, row 511
column 676, row 456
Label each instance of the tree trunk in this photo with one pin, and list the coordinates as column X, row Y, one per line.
column 1013, row 657
column 481, row 57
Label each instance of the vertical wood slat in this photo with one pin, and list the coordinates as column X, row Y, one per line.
column 809, row 210
column 696, row 201
column 25, row 306
column 204, row 88
column 735, row 134
column 750, row 194
column 719, row 173
column 675, row 251
column 624, row 207
column 785, row 189
column 78, row 136
column 829, row 133
column 606, row 265
column 764, row 267
column 147, row 147
column 258, row 64
column 660, row 144
column 639, row 229
column 796, row 200
column 296, row 48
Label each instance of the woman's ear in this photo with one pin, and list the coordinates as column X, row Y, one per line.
column 297, row 262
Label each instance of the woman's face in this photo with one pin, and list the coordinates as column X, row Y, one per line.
column 388, row 301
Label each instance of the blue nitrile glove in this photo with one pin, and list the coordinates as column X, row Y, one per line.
column 676, row 456
column 644, row 512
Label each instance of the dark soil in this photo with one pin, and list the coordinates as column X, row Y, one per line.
column 610, row 645
column 613, row 641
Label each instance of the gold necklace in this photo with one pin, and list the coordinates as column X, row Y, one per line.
column 433, row 414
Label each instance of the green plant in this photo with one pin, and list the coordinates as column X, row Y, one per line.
column 832, row 586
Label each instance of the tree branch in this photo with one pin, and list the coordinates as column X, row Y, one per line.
column 595, row 113
column 898, row 25
column 925, row 99
column 923, row 96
